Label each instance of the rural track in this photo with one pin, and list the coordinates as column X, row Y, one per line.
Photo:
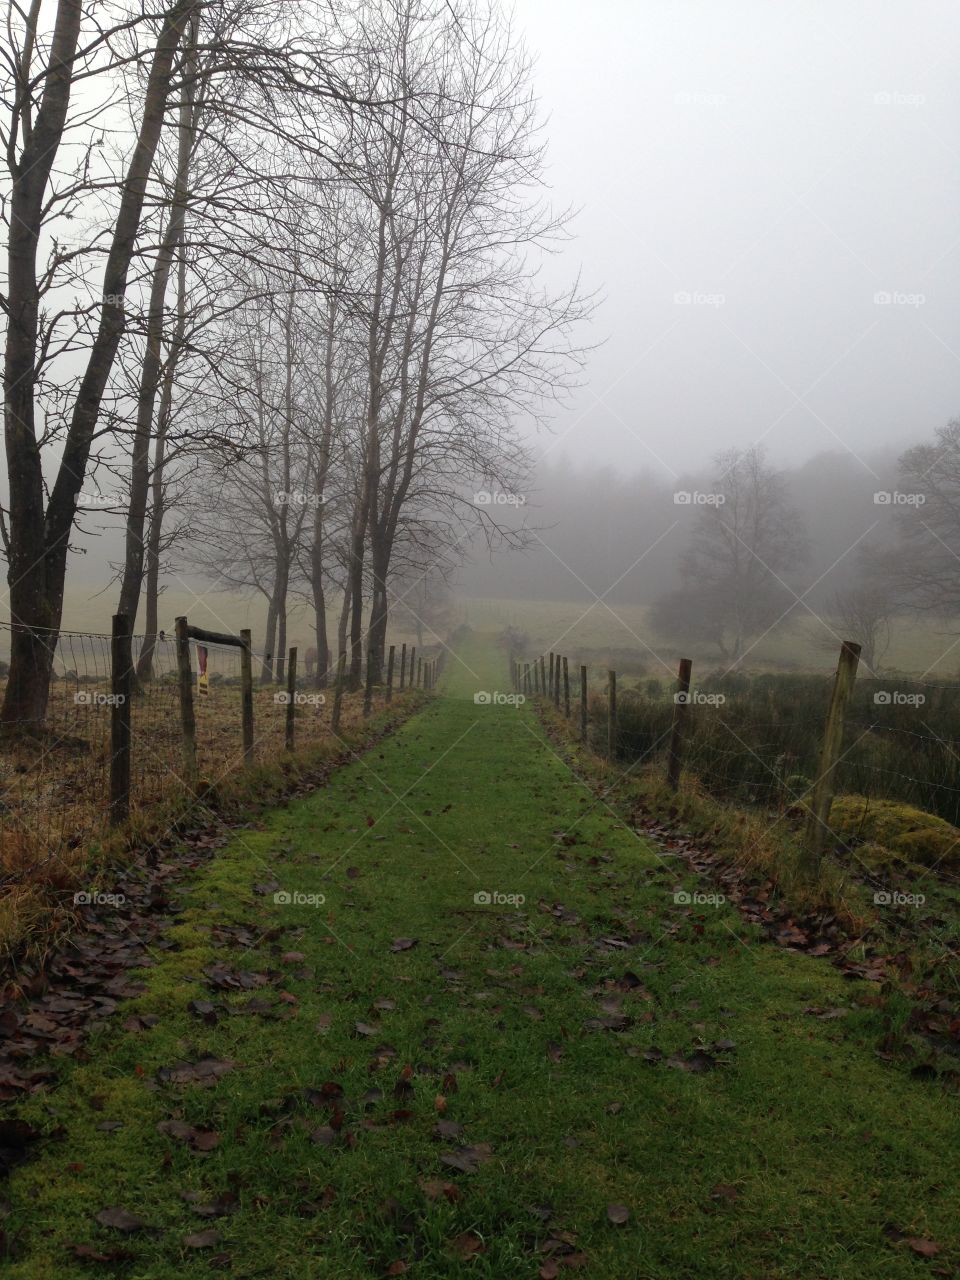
column 445, row 1017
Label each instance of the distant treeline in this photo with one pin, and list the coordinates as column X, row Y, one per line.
column 593, row 524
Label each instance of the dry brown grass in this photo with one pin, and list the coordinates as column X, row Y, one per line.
column 54, row 790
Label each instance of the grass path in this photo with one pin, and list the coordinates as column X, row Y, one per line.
column 494, row 1098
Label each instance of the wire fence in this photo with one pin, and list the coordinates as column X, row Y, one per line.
column 58, row 782
column 760, row 740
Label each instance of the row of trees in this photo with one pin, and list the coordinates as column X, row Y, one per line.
column 738, row 578
column 273, row 293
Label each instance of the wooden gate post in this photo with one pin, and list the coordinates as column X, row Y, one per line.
column 818, row 817
column 246, row 693
column 681, row 705
column 391, row 658
column 289, row 735
column 188, row 723
column 584, row 725
column 566, row 688
column 120, row 712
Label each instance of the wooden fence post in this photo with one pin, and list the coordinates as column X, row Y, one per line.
column 566, row 688
column 681, row 705
column 612, row 715
column 419, row 673
column 412, row 676
column 246, row 693
column 556, row 684
column 818, row 817
column 338, row 692
column 120, row 711
column 391, row 659
column 403, row 665
column 584, row 724
column 550, row 686
column 291, row 699
column 543, row 675
column 188, row 723
column 526, row 677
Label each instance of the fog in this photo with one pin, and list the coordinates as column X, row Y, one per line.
column 781, row 166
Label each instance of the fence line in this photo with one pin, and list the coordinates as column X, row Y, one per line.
column 120, row 737
column 782, row 741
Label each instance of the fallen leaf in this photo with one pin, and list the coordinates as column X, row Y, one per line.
column 120, row 1220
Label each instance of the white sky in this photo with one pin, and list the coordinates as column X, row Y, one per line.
column 796, row 159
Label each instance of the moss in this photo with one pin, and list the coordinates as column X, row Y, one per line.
column 918, row 836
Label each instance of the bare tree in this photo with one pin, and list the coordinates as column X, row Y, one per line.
column 37, row 100
column 746, row 541
column 922, row 565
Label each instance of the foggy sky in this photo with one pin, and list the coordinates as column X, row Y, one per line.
column 796, row 160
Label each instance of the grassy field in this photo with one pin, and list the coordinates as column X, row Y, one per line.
column 616, row 629
column 569, row 1074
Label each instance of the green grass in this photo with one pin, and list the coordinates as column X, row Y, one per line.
column 572, row 626
column 826, row 1151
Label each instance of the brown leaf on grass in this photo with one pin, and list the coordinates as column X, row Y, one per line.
column 554, row 1051
column 202, row 1239
column 120, row 1220
column 467, row 1245
column 618, row 1214
column 365, row 1029
column 696, row 1062
column 89, row 1253
column 434, row 1188
column 447, row 1129
column 723, row 1191
column 205, row 1072
column 398, row 1268
column 616, row 1022
column 199, row 1139
column 205, row 1010
column 467, row 1159
column 925, row 1248
column 440, row 1104
column 403, row 944
column 225, row 1203
column 293, row 957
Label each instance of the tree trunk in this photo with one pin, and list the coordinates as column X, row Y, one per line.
column 39, row 532
column 152, row 368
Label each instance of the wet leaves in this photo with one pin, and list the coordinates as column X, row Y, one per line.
column 467, row 1159
column 202, row 1239
column 207, row 1071
column 198, row 1139
column 121, row 1220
